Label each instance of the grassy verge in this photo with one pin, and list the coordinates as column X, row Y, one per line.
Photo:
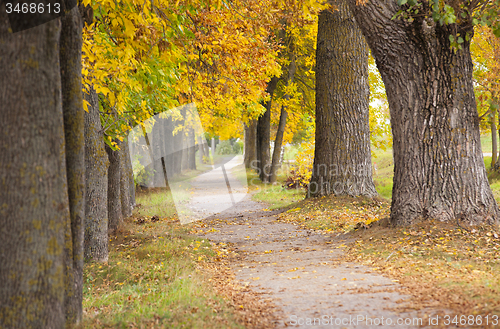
column 156, row 276
column 443, row 266
column 275, row 195
column 384, row 170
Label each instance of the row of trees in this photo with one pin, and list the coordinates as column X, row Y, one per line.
column 65, row 173
column 422, row 51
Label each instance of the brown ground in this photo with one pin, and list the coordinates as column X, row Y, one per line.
column 298, row 271
column 302, row 273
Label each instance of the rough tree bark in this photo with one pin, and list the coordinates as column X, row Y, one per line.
column 96, row 188
column 342, row 157
column 264, row 135
column 439, row 171
column 70, row 52
column 114, row 202
column 34, row 206
column 251, row 144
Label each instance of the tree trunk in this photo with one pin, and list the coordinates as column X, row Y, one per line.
column 192, row 149
column 158, row 149
column 251, row 144
column 70, row 52
column 200, row 148
column 185, row 151
column 494, row 151
column 130, row 177
column 342, row 157
column 439, row 171
column 278, row 141
column 264, row 135
column 497, row 164
column 114, row 202
column 125, row 180
column 34, row 206
column 213, row 149
column 96, row 180
column 176, row 147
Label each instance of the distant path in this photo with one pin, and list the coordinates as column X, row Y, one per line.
column 301, row 272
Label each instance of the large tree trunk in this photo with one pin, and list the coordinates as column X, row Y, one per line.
column 264, row 135
column 96, row 180
column 342, row 157
column 439, row 171
column 34, row 206
column 70, row 50
column 251, row 144
column 115, row 217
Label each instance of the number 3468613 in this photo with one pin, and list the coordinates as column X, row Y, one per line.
column 33, row 8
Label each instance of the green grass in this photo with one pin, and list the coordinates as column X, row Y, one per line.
column 290, row 152
column 153, row 276
column 279, row 197
column 385, row 170
column 275, row 195
column 486, row 143
column 382, row 177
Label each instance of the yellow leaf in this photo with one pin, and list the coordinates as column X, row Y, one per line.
column 86, row 105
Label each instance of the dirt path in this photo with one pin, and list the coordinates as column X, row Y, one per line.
column 301, row 272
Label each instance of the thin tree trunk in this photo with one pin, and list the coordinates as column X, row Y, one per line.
column 185, row 151
column 96, row 188
column 192, row 149
column 130, row 177
column 200, row 148
column 439, row 171
column 115, row 217
column 34, row 206
column 176, row 148
column 497, row 164
column 157, row 148
column 213, row 149
column 125, row 180
column 251, row 144
column 278, row 141
column 70, row 52
column 494, row 151
column 264, row 135
column 342, row 157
